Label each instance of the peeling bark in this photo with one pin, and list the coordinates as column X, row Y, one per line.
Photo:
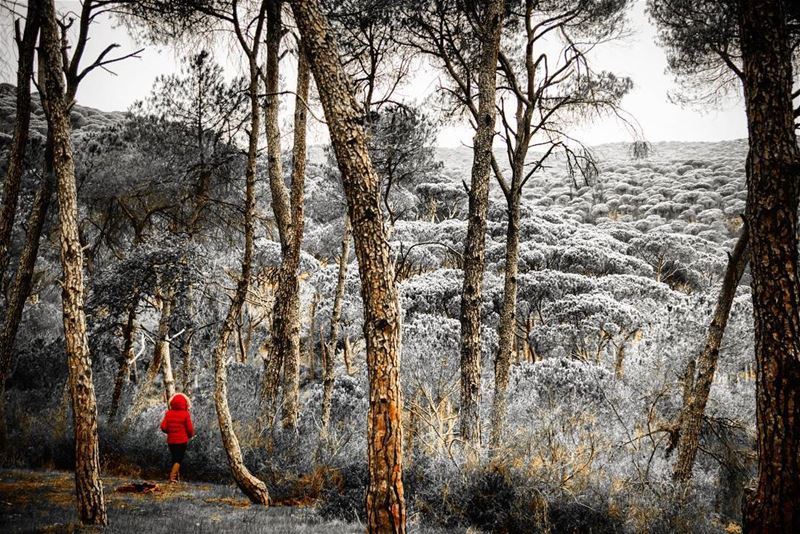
column 385, row 502
column 771, row 215
column 89, row 488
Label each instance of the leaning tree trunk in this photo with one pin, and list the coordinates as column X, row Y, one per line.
column 160, row 352
column 691, row 418
column 508, row 319
column 26, row 44
column 475, row 244
column 251, row 486
column 771, row 214
column 89, row 488
column 386, row 510
column 330, row 346
column 126, row 359
column 21, row 286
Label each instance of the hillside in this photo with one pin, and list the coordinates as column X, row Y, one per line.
column 84, row 119
column 617, row 279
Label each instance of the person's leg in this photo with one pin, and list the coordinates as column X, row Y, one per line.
column 174, row 473
column 177, row 451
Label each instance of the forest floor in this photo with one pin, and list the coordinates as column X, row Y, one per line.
column 44, row 501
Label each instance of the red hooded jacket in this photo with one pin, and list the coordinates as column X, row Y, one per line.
column 177, row 423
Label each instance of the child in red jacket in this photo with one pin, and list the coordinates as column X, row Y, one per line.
column 177, row 425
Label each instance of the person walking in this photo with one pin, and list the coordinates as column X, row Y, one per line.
column 177, row 425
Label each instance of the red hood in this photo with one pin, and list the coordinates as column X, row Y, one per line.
column 179, row 402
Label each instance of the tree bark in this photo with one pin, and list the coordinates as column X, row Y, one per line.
column 289, row 342
column 386, row 510
column 508, row 319
column 187, row 372
column 288, row 211
column 26, row 44
column 333, row 341
column 89, row 488
column 251, row 486
column 128, row 355
column 771, row 215
column 691, row 418
column 475, row 244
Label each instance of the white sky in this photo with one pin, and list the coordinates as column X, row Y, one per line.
column 638, row 57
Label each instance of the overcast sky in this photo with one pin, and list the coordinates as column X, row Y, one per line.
column 638, row 57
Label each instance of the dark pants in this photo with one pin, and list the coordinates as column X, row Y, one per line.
column 177, row 450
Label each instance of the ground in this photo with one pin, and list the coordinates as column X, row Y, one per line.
column 44, row 501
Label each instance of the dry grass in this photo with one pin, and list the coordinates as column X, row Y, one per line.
column 44, row 501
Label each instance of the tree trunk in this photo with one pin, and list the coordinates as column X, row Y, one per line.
column 186, row 347
column 508, row 319
column 331, row 345
column 128, row 355
column 386, row 510
column 251, row 486
column 475, row 244
column 26, row 44
column 347, row 355
column 89, row 488
column 289, row 342
column 771, row 214
column 691, row 418
column 288, row 210
column 163, row 346
column 311, row 349
column 187, row 371
column 21, row 286
column 281, row 207
column 160, row 352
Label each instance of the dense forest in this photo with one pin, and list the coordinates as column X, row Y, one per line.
column 524, row 335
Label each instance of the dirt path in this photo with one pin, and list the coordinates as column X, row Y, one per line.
column 44, row 501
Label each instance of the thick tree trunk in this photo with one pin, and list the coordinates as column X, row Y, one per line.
column 771, row 214
column 691, row 418
column 89, row 488
column 386, row 510
column 128, row 355
column 333, row 341
column 251, row 486
column 475, row 244
column 26, row 44
column 508, row 320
